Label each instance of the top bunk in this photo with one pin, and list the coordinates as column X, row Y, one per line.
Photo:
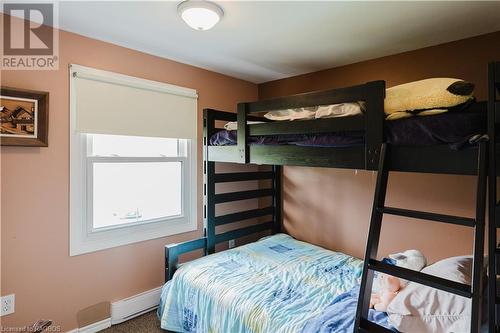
column 354, row 141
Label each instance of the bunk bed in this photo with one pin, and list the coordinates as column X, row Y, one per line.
column 373, row 153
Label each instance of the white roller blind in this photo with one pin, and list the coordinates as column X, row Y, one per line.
column 111, row 103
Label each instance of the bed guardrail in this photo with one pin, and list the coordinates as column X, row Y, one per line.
column 372, row 93
column 173, row 251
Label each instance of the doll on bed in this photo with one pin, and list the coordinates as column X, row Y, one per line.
column 387, row 286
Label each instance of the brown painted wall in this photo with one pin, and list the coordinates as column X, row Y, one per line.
column 35, row 262
column 332, row 207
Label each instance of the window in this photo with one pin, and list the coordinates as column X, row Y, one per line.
column 133, row 180
column 134, row 189
column 128, row 188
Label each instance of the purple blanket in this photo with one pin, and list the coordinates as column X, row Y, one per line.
column 452, row 128
column 229, row 138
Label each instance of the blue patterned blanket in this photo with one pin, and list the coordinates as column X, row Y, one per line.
column 277, row 284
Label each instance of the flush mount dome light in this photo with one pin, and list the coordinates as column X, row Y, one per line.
column 200, row 14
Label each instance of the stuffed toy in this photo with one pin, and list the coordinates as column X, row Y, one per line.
column 389, row 288
column 386, row 286
column 426, row 97
column 411, row 259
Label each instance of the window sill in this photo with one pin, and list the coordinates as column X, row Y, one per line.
column 106, row 239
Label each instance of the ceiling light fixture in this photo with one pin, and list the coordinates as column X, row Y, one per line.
column 199, row 14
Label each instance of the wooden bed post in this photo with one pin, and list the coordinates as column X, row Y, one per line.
column 242, row 136
column 477, row 270
column 208, row 183
column 277, row 203
column 373, row 242
column 171, row 262
column 493, row 81
column 210, row 207
column 374, row 125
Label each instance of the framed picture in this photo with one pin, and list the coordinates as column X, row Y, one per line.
column 24, row 117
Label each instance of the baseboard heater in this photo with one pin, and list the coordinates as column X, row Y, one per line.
column 134, row 306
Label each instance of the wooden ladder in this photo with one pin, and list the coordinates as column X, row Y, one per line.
column 371, row 264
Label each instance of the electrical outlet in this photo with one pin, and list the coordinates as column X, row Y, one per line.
column 8, row 304
column 231, row 243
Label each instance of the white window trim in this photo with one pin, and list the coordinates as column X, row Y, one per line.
column 85, row 239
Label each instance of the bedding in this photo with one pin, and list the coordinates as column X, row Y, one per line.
column 452, row 128
column 340, row 316
column 277, row 284
column 321, row 111
column 291, row 114
column 348, row 139
column 340, row 110
column 318, row 112
column 233, row 125
column 418, row 308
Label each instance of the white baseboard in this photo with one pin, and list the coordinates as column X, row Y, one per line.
column 93, row 328
column 134, row 306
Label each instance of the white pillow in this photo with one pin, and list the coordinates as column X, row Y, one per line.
column 292, row 114
column 323, row 111
column 233, row 125
column 419, row 308
column 339, row 110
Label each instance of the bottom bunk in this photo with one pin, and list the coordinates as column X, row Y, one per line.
column 279, row 284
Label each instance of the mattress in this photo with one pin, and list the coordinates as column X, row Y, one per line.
column 451, row 128
column 277, row 284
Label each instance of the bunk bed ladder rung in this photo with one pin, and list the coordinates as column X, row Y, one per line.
column 456, row 288
column 367, row 326
column 459, row 220
column 371, row 264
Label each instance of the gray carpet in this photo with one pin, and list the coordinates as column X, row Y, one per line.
column 147, row 323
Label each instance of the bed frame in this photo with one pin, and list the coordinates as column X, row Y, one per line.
column 373, row 155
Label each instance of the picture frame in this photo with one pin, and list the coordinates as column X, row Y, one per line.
column 24, row 117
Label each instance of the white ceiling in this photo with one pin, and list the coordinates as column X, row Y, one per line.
column 263, row 41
